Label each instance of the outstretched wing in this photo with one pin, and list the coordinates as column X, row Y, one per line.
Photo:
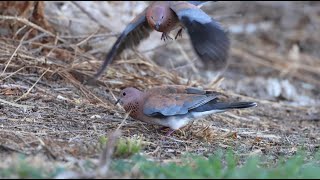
column 208, row 38
column 137, row 30
column 174, row 104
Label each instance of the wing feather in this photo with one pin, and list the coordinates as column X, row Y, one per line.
column 174, row 104
column 137, row 30
column 208, row 38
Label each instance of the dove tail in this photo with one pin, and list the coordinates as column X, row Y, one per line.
column 234, row 105
column 222, row 106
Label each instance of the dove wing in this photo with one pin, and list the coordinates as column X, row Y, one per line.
column 137, row 30
column 208, row 38
column 174, row 104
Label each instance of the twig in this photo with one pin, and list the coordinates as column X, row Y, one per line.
column 195, row 70
column 41, row 35
column 185, row 65
column 2, row 146
column 25, row 94
column 107, row 152
column 94, row 36
column 86, row 39
column 46, row 148
column 25, row 21
column 15, row 51
column 177, row 140
column 12, row 73
column 19, row 30
column 77, row 84
column 54, row 47
column 124, row 119
column 13, row 86
column 15, row 104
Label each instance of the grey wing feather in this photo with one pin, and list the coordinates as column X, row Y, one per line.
column 171, row 104
column 208, row 38
column 132, row 35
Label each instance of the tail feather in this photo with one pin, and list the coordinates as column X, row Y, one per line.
column 212, row 105
column 234, row 105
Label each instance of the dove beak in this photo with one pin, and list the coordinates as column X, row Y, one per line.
column 117, row 102
column 157, row 26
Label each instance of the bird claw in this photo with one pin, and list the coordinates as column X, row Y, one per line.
column 165, row 37
column 168, row 133
column 179, row 34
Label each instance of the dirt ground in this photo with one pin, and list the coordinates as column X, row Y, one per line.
column 46, row 110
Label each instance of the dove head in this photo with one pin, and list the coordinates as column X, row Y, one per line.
column 129, row 95
column 157, row 15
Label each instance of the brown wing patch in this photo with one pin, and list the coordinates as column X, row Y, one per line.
column 174, row 89
column 181, row 5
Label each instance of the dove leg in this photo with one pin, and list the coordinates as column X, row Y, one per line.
column 170, row 132
column 163, row 128
column 165, row 36
column 179, row 33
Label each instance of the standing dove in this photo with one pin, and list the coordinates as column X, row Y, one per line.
column 174, row 106
column 208, row 38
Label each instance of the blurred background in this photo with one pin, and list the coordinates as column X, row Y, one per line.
column 275, row 45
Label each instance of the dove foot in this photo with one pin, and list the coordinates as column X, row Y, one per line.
column 170, row 132
column 179, row 33
column 163, row 128
column 165, row 37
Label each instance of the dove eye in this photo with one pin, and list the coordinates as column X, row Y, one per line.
column 123, row 93
column 162, row 17
column 151, row 17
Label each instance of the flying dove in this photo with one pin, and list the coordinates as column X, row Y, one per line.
column 174, row 106
column 208, row 38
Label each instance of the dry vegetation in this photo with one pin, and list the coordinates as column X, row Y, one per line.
column 49, row 49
